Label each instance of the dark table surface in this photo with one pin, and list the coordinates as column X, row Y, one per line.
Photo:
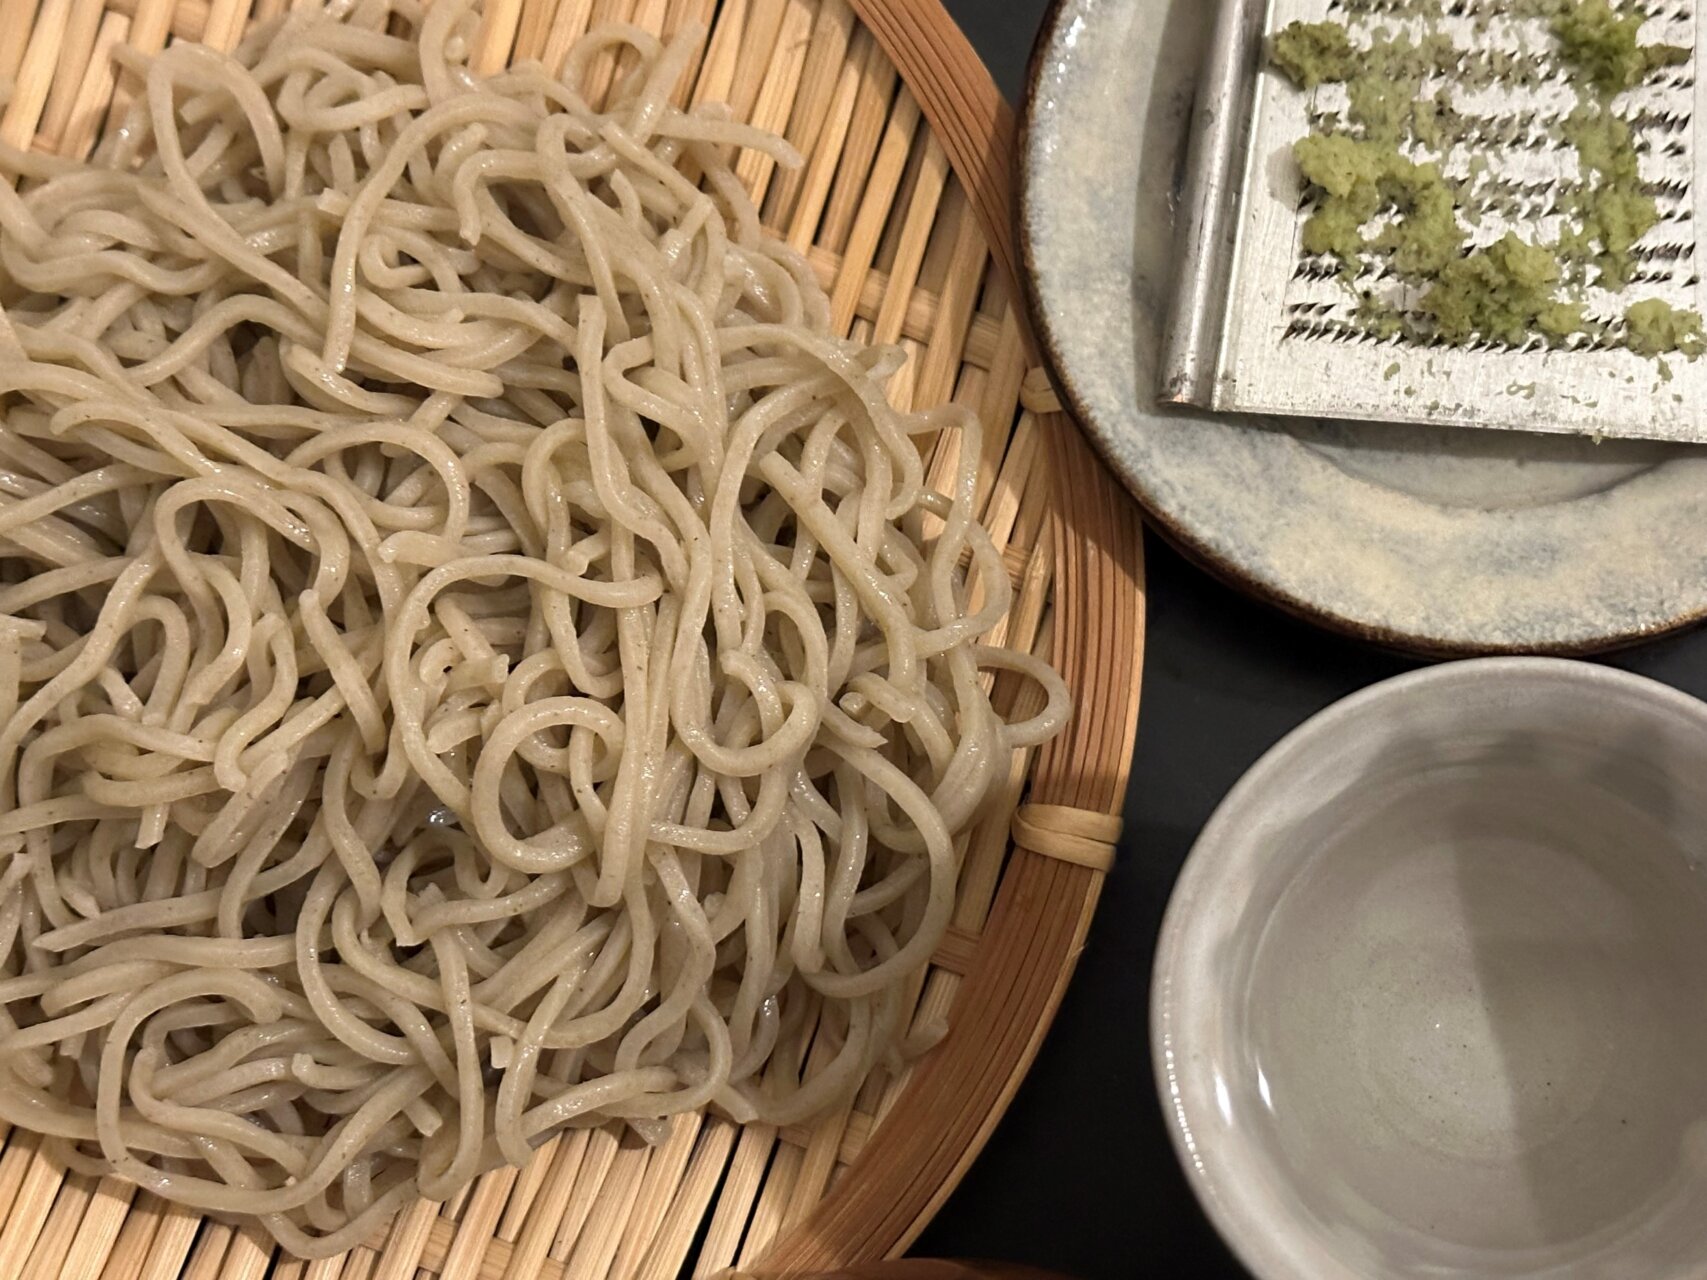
column 1080, row 1176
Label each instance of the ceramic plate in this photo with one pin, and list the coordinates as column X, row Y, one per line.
column 1426, row 538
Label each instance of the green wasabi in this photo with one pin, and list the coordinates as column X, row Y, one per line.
column 1503, row 293
column 1601, row 43
column 1426, row 236
column 1347, row 173
column 1341, row 166
column 1612, row 210
column 1654, row 327
column 1364, row 169
column 1313, row 53
column 1354, row 180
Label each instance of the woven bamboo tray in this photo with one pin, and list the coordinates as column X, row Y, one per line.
column 903, row 209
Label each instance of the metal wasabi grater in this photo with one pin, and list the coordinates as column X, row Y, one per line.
column 1257, row 326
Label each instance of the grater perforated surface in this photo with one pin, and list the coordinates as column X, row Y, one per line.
column 1292, row 335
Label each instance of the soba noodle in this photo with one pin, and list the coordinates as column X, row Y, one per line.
column 477, row 654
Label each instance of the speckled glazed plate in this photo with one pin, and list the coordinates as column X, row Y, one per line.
column 1426, row 538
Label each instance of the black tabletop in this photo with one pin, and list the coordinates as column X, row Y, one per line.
column 1080, row 1176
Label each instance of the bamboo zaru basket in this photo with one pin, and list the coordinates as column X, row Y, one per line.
column 902, row 208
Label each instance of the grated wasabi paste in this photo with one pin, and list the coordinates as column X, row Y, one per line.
column 1509, row 292
column 1601, row 43
column 1313, row 53
column 1654, row 327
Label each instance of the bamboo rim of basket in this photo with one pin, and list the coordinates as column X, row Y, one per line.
column 903, row 208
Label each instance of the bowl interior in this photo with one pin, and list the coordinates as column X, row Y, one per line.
column 1432, row 996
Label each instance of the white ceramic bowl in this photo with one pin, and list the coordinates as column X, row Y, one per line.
column 1431, row 993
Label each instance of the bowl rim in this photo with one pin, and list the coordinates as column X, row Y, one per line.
column 1217, row 856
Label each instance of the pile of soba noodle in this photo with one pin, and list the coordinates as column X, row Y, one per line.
column 477, row 655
